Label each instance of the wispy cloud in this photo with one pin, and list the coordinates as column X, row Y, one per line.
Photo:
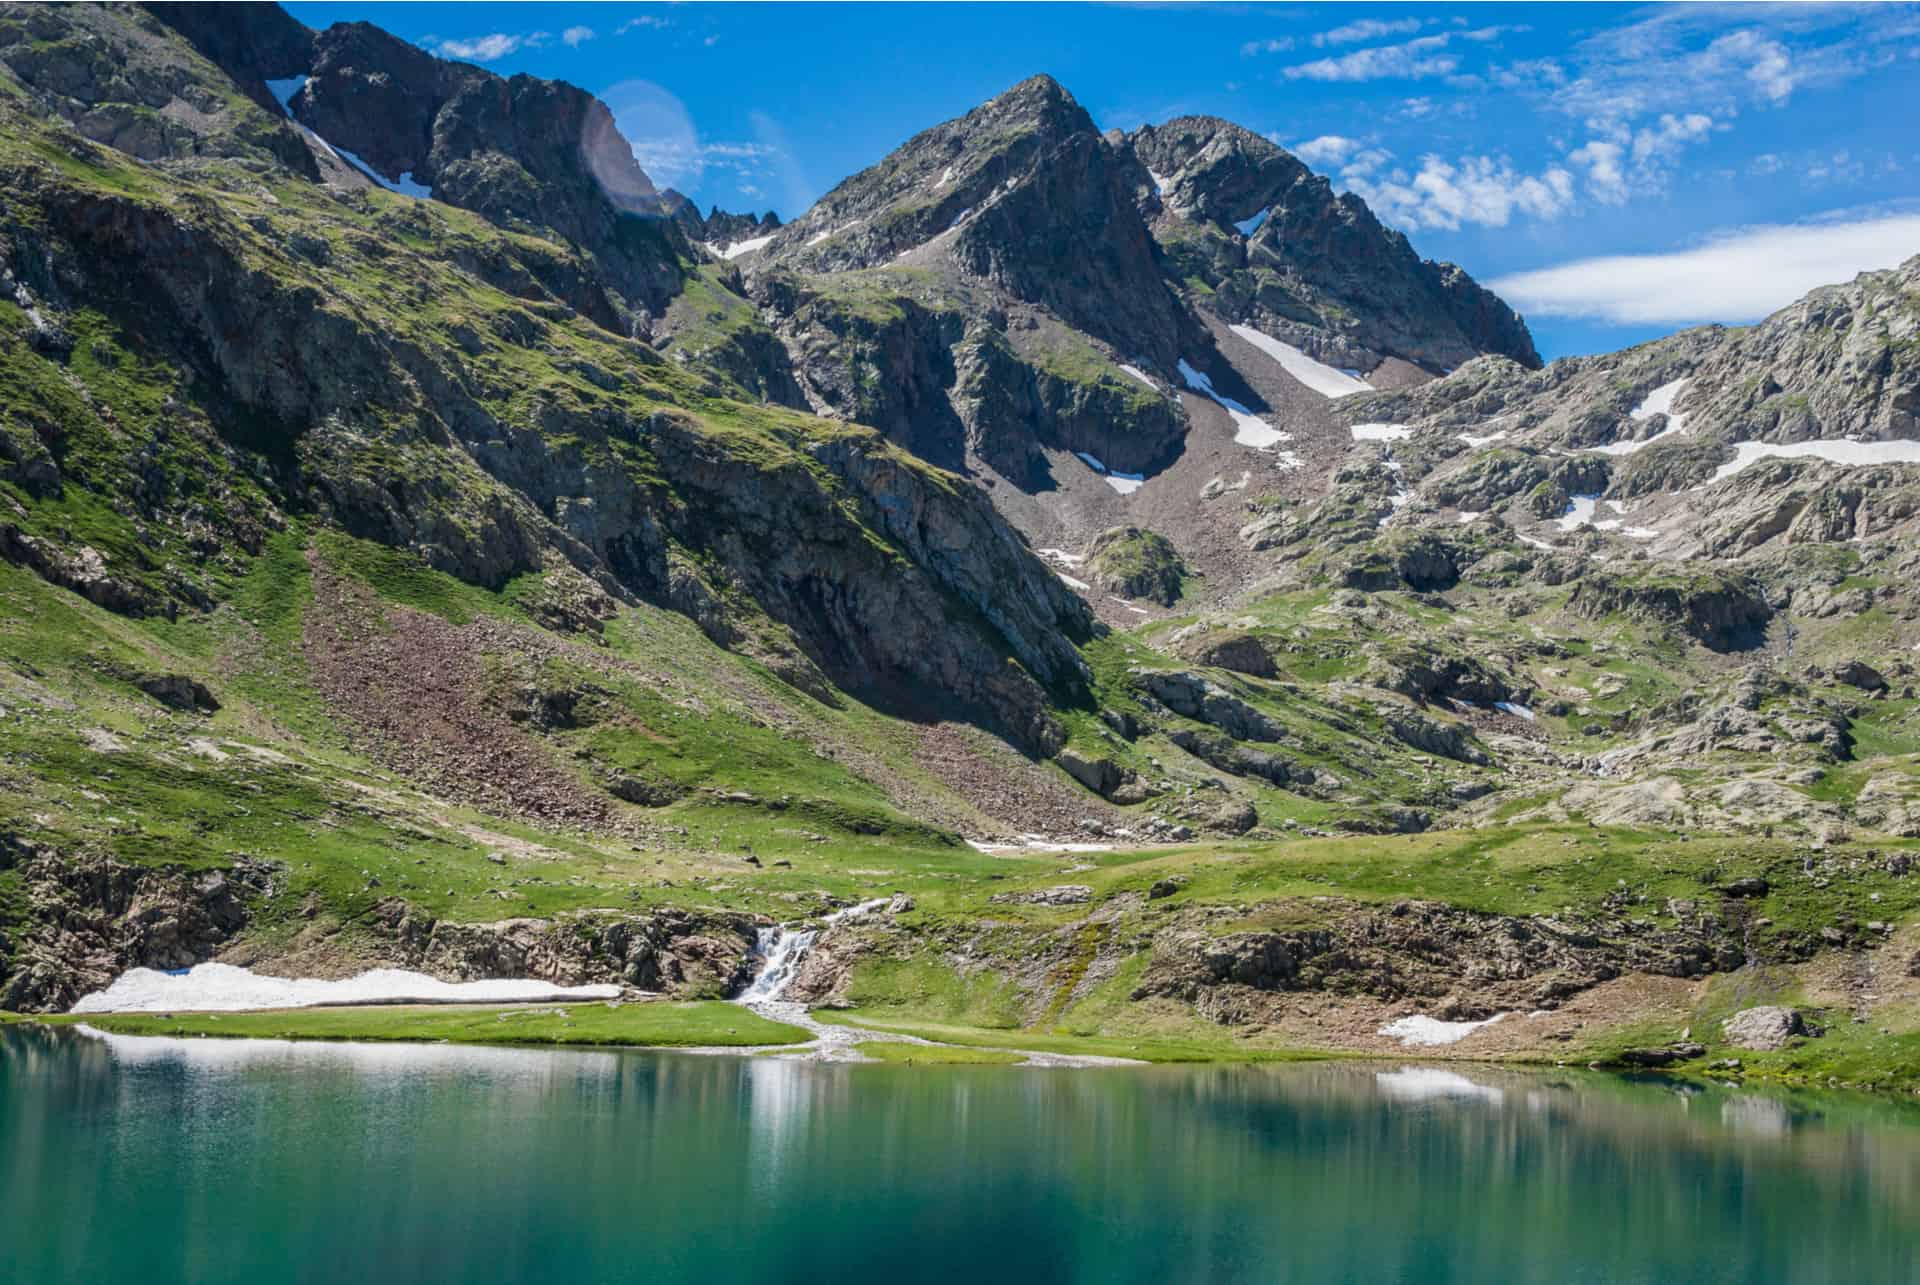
column 574, row 37
column 1367, row 29
column 644, row 20
column 1740, row 276
column 1274, row 45
column 1415, row 59
column 489, row 47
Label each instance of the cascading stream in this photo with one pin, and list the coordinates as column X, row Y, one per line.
column 785, row 948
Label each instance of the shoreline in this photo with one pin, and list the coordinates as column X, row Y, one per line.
column 840, row 1043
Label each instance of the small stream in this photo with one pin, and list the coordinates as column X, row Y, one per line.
column 785, row 948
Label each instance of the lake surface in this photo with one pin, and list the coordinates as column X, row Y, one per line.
column 214, row 1161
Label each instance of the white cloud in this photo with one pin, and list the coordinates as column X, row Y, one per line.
column 1605, row 178
column 1326, row 150
column 1277, row 45
column 1367, row 29
column 1684, row 59
column 1739, row 277
column 1672, row 133
column 481, row 48
column 1475, row 189
column 644, row 20
column 1410, row 60
column 574, row 37
column 1413, row 60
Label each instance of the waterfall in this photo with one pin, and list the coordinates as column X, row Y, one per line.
column 783, row 949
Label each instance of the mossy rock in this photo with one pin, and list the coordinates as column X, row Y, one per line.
column 1137, row 563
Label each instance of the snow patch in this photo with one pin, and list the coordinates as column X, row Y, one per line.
column 1381, row 432
column 1140, row 375
column 1125, row 483
column 1247, row 227
column 1845, row 453
column 1466, row 516
column 1517, row 710
column 223, row 988
column 1318, row 376
column 1579, row 513
column 1072, row 583
column 405, row 186
column 946, row 177
column 959, row 218
column 1657, row 402
column 747, row 246
column 1248, row 428
column 1419, row 1029
column 1159, row 183
column 1061, row 555
column 1478, row 442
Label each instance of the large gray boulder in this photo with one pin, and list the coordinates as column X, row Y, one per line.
column 1767, row 1028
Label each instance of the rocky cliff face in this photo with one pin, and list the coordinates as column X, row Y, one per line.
column 1274, row 247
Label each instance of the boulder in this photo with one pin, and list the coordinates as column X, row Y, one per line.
column 1767, row 1027
column 177, row 691
column 1101, row 775
column 1857, row 673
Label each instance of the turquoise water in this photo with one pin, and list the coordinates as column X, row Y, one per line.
column 216, row 1161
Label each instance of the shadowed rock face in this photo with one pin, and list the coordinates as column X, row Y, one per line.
column 1319, row 270
column 522, row 151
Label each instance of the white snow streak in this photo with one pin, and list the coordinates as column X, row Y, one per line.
column 1318, row 376
column 1658, row 402
column 1248, row 428
column 1845, row 453
column 1140, row 375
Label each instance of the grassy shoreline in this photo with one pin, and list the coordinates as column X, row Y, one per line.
column 661, row 1024
column 1809, row 1064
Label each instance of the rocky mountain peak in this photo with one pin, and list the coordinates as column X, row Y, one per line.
column 1022, row 193
column 1209, row 168
column 1282, row 251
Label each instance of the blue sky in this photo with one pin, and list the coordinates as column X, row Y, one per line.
column 1617, row 171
